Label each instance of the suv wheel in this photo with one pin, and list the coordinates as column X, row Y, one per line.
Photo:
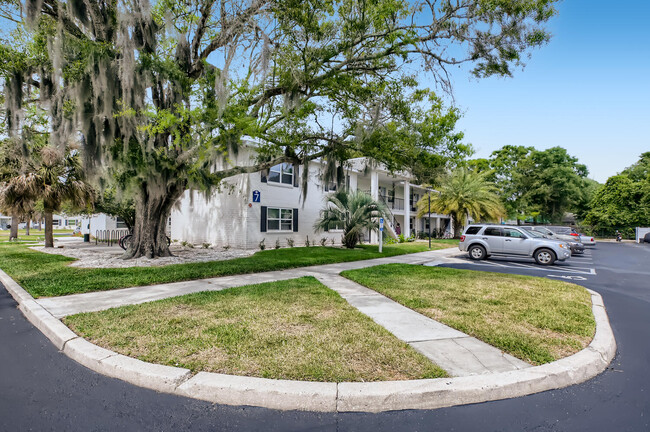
column 477, row 252
column 544, row 256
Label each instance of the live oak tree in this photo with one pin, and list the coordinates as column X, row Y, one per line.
column 543, row 184
column 552, row 181
column 163, row 94
column 505, row 165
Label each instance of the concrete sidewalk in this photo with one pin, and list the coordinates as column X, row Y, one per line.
column 457, row 353
column 454, row 351
column 96, row 301
column 482, row 372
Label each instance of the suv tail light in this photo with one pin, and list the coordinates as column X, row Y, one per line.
column 462, row 238
column 575, row 235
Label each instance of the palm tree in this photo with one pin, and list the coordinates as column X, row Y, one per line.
column 58, row 177
column 353, row 211
column 53, row 176
column 463, row 193
column 15, row 200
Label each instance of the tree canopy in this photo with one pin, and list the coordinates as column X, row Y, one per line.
column 538, row 183
column 623, row 203
column 163, row 94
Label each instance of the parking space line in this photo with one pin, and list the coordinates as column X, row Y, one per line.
column 570, row 270
column 493, row 264
column 524, row 265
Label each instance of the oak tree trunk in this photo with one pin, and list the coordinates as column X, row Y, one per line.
column 13, row 233
column 152, row 211
column 49, row 230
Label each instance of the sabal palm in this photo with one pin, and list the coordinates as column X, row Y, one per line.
column 16, row 199
column 56, row 177
column 464, row 193
column 354, row 211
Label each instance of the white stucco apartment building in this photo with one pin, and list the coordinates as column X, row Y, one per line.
column 92, row 224
column 270, row 205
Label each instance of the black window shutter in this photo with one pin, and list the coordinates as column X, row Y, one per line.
column 263, row 220
column 295, row 220
column 295, row 175
column 264, row 174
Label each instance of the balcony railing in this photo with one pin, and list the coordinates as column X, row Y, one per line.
column 392, row 203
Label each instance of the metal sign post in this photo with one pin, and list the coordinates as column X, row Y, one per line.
column 381, row 231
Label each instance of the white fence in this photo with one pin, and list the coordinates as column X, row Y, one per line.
column 640, row 232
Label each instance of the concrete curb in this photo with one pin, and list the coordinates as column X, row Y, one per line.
column 268, row 393
column 327, row 397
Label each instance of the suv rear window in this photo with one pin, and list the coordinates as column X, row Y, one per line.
column 473, row 230
column 492, row 232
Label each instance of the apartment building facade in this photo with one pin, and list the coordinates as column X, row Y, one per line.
column 271, row 206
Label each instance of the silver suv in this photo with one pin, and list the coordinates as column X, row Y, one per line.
column 575, row 245
column 482, row 241
column 564, row 232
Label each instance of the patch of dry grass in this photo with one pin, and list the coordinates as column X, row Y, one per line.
column 537, row 320
column 296, row 329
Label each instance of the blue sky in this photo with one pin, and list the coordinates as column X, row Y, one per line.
column 588, row 90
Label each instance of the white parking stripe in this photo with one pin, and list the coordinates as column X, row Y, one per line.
column 570, row 270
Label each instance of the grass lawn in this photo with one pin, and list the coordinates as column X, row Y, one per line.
column 34, row 235
column 535, row 319
column 296, row 329
column 48, row 275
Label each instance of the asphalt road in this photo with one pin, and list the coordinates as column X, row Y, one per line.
column 41, row 389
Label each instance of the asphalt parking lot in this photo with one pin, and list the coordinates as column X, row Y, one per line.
column 579, row 267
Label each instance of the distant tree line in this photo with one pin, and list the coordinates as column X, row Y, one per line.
column 623, row 203
column 538, row 185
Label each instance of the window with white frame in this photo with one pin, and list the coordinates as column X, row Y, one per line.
column 279, row 219
column 282, row 173
column 335, row 226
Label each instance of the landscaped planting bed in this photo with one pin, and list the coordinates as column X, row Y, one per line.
column 537, row 320
column 296, row 329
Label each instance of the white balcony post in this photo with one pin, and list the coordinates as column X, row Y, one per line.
column 407, row 210
column 374, row 193
column 353, row 182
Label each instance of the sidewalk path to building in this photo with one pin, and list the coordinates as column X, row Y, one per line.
column 452, row 350
column 481, row 372
column 96, row 301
